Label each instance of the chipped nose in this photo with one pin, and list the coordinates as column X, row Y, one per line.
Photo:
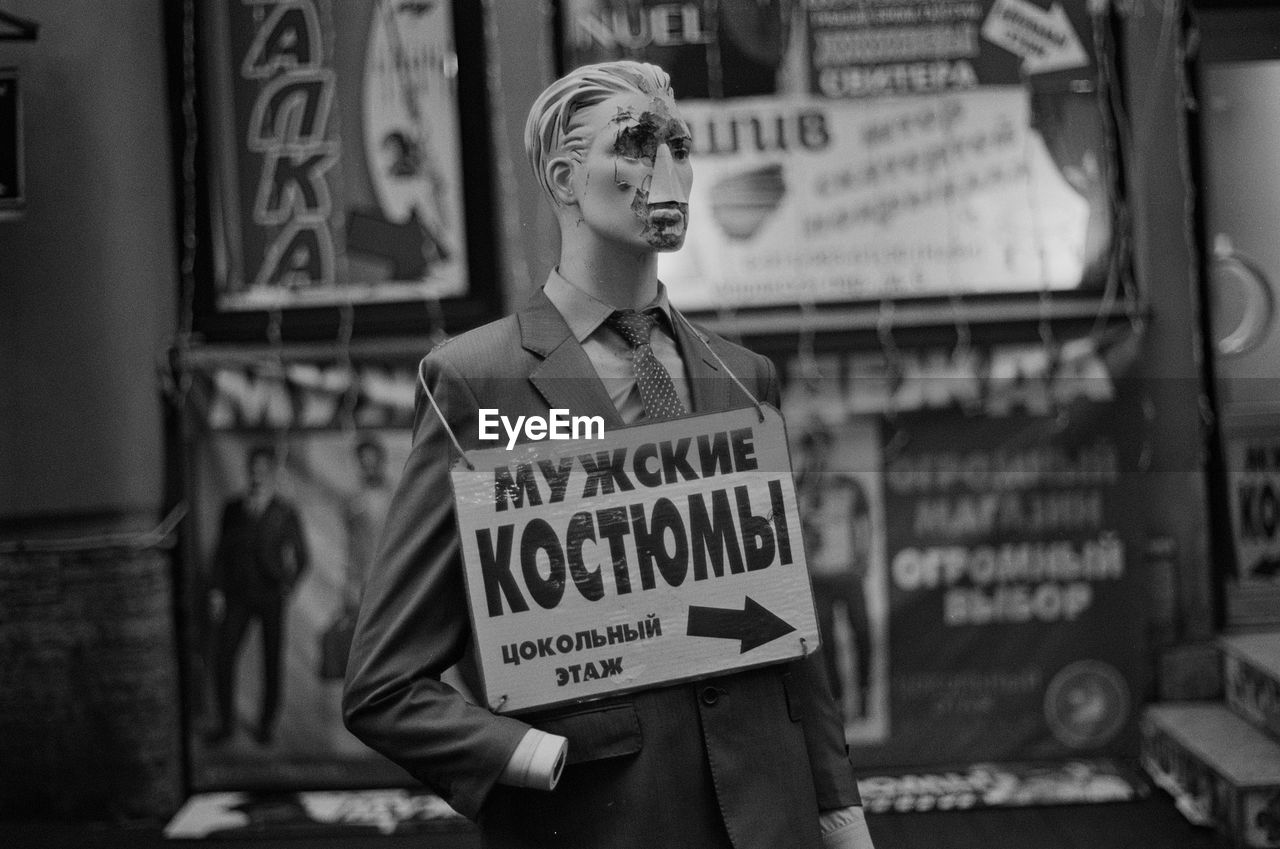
column 670, row 183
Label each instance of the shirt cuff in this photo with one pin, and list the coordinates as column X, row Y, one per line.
column 845, row 828
column 537, row 761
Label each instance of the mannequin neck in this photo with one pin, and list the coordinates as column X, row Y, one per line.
column 621, row 278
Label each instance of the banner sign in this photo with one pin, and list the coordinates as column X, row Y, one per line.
column 847, row 151
column 271, row 396
column 658, row 553
column 339, row 160
column 991, row 380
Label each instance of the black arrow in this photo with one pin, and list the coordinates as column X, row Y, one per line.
column 753, row 625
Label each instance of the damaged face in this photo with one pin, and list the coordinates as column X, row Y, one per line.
column 632, row 182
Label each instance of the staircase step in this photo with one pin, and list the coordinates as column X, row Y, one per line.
column 1220, row 769
column 1251, row 674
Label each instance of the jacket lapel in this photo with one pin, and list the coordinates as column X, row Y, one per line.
column 565, row 377
column 712, row 390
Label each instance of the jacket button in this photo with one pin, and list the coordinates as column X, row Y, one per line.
column 710, row 695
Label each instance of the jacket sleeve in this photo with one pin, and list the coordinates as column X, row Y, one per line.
column 820, row 717
column 218, row 572
column 413, row 624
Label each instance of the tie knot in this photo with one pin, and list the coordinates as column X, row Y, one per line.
column 633, row 326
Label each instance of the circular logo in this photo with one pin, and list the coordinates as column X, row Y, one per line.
column 1086, row 704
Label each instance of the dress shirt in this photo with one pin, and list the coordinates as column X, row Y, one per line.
column 537, row 761
column 609, row 353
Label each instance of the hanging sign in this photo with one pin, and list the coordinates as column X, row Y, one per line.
column 11, row 194
column 655, row 554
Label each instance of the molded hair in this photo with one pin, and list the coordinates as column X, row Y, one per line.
column 546, row 132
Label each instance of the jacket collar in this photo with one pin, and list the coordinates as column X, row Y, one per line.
column 567, row 380
column 565, row 377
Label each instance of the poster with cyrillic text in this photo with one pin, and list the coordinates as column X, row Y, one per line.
column 658, row 553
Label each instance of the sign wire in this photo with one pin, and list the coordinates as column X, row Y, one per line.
column 422, row 381
column 437, row 332
column 755, row 401
column 892, row 353
column 275, row 338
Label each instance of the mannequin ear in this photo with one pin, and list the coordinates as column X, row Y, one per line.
column 560, row 177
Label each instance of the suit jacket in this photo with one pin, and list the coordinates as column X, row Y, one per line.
column 250, row 563
column 746, row 759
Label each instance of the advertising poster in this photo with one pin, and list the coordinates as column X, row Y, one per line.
column 1013, row 596
column 979, row 512
column 847, row 151
column 1252, row 455
column 838, row 485
column 292, row 469
column 336, row 136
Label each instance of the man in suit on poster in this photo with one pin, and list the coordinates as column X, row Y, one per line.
column 751, row 760
column 836, row 516
column 363, row 512
column 260, row 557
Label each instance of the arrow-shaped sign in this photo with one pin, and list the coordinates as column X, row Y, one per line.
column 753, row 625
column 1045, row 40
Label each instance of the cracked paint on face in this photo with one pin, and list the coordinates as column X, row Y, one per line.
column 658, row 140
column 646, row 146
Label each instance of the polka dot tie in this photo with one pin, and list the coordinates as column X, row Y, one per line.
column 657, row 392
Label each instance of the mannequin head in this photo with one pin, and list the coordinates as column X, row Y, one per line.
column 611, row 151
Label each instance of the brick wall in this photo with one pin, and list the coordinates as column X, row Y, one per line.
column 89, row 707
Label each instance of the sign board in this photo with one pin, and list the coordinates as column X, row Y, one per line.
column 11, row 192
column 658, row 553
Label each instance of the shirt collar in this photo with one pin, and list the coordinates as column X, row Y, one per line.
column 584, row 313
